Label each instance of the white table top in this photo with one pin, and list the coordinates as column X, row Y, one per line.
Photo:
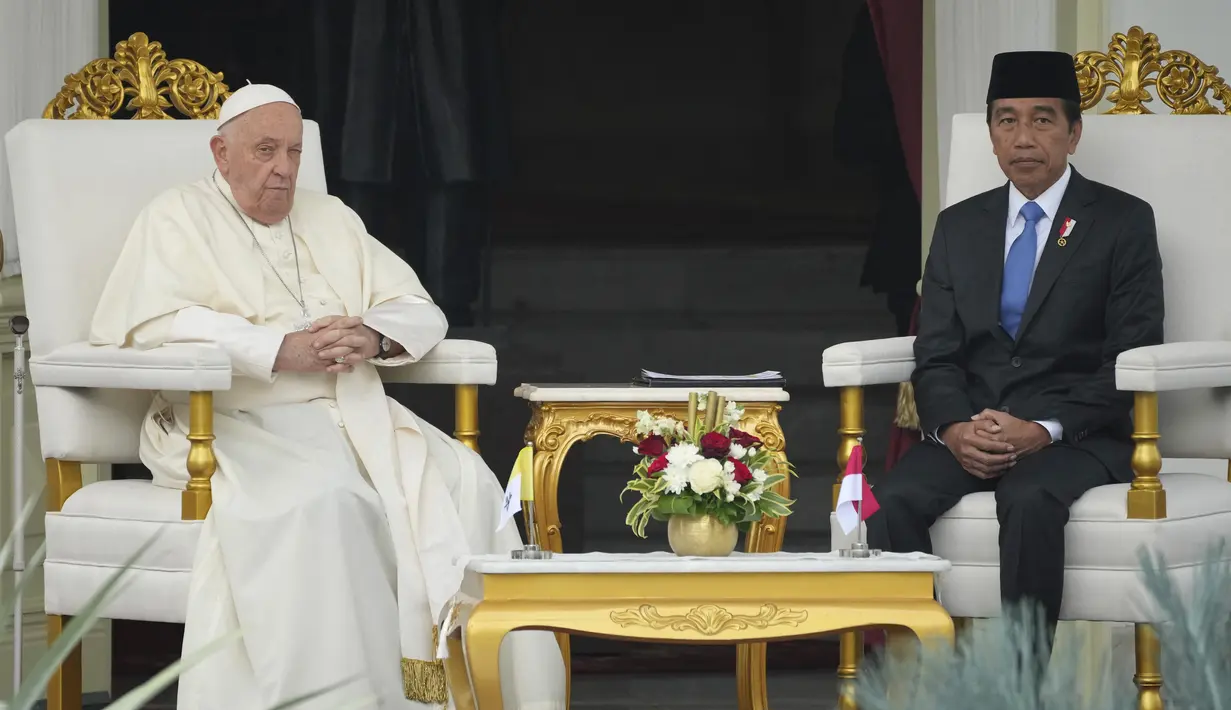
column 633, row 393
column 737, row 563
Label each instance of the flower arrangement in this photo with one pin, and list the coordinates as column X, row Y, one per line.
column 704, row 466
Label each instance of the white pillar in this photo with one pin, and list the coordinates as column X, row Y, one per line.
column 41, row 41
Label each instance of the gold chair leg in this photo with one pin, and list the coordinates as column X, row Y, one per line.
column 466, row 415
column 850, row 431
column 202, row 464
column 63, row 480
column 1149, row 676
column 64, row 689
column 849, row 653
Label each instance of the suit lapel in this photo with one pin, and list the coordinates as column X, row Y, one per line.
column 1075, row 205
column 989, row 249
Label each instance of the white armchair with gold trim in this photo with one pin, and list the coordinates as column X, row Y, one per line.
column 77, row 187
column 1179, row 165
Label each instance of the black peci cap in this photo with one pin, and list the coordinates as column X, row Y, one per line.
column 1028, row 75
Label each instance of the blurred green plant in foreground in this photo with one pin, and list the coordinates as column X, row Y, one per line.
column 1003, row 663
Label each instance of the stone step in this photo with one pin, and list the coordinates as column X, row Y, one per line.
column 713, row 282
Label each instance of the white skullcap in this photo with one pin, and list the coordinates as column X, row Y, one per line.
column 250, row 97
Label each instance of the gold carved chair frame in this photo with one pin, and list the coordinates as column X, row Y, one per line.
column 1134, row 63
column 141, row 81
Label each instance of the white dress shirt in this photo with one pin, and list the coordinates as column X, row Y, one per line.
column 1015, row 224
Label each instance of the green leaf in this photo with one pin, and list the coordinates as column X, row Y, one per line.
column 6, row 552
column 317, row 693
column 72, row 634
column 142, row 694
column 677, row 505
column 8, row 606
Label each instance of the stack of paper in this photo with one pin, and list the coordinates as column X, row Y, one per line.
column 758, row 377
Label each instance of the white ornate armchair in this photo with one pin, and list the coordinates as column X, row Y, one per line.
column 1177, row 164
column 77, row 187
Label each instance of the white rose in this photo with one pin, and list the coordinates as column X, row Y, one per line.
column 705, row 475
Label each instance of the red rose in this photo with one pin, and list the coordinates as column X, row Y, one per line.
column 715, row 446
column 658, row 464
column 744, row 439
column 742, row 474
column 653, row 445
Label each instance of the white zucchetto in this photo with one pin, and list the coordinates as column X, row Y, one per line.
column 250, row 97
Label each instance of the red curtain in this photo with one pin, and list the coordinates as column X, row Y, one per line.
column 899, row 35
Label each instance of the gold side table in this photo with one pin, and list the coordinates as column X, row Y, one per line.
column 565, row 414
column 658, row 597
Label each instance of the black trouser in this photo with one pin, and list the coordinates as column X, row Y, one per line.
column 1032, row 505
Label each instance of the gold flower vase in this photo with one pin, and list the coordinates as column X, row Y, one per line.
column 701, row 536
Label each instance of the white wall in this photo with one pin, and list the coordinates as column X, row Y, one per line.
column 41, row 41
column 1197, row 26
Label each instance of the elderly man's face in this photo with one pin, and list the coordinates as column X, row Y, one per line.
column 1032, row 140
column 258, row 154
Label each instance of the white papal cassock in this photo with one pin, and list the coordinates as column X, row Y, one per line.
column 337, row 514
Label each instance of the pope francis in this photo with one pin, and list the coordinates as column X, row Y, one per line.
column 337, row 514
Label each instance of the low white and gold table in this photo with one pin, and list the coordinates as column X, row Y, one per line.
column 563, row 414
column 658, row 597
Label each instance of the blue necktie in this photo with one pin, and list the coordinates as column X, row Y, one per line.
column 1019, row 270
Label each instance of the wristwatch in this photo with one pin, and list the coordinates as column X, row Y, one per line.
column 386, row 345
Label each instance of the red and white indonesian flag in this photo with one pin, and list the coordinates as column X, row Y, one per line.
column 855, row 500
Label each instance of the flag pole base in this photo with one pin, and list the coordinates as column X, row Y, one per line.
column 859, row 551
column 531, row 552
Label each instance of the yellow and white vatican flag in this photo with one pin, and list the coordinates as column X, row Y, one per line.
column 520, row 487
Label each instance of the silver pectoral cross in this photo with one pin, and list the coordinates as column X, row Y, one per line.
column 305, row 322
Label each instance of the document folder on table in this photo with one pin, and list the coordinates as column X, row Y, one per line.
column 769, row 378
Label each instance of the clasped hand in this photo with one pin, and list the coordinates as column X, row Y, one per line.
column 992, row 442
column 318, row 348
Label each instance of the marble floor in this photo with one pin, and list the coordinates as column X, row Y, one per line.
column 608, row 691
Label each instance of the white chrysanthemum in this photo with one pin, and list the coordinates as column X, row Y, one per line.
column 705, row 476
column 732, row 488
column 733, row 414
column 737, row 451
column 759, row 475
column 676, row 478
column 683, row 455
column 665, row 426
column 752, row 451
column 645, row 423
column 753, row 494
column 729, row 469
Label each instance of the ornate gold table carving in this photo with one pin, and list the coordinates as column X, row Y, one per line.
column 609, row 598
column 563, row 415
column 708, row 619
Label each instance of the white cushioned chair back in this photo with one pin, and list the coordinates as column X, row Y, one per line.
column 1179, row 165
column 77, row 189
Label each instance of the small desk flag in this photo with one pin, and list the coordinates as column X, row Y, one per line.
column 855, row 500
column 520, row 488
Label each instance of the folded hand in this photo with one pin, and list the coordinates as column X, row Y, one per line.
column 1025, row 437
column 344, row 337
column 978, row 450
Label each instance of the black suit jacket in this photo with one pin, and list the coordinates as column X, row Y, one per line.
column 1099, row 294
